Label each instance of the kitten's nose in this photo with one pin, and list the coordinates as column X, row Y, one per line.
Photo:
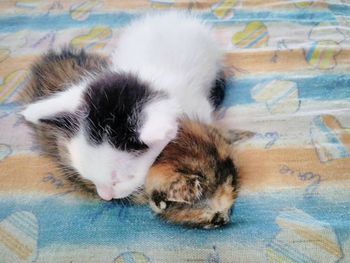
column 105, row 192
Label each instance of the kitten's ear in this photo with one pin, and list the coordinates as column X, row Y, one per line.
column 237, row 136
column 65, row 101
column 160, row 122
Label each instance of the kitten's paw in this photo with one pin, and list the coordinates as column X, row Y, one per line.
column 185, row 190
column 126, row 186
column 158, row 201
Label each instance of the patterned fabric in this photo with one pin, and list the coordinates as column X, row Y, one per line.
column 291, row 84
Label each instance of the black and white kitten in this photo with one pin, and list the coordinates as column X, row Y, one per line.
column 114, row 120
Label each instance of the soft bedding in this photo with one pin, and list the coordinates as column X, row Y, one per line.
column 289, row 68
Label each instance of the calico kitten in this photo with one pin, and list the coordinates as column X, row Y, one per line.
column 114, row 122
column 194, row 180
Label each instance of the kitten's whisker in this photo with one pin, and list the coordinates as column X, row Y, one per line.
column 178, row 201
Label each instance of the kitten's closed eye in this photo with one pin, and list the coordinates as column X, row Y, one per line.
column 189, row 171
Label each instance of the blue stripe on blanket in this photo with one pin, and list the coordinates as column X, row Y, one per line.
column 320, row 87
column 340, row 10
column 108, row 223
column 63, row 21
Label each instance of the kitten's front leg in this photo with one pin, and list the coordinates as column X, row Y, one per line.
column 164, row 186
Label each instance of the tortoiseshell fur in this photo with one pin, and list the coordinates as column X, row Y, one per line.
column 194, row 180
column 54, row 71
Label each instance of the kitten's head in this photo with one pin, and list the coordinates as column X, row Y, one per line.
column 111, row 130
column 194, row 180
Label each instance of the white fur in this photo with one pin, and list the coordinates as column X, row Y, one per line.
column 160, row 121
column 98, row 163
column 173, row 53
column 66, row 101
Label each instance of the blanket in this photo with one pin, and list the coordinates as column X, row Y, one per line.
column 288, row 63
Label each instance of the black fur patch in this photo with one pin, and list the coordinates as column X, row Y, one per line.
column 217, row 93
column 158, row 197
column 115, row 102
column 218, row 220
column 224, row 169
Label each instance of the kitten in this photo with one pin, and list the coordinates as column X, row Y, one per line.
column 112, row 122
column 194, row 180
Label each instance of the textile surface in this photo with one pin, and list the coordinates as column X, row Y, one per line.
column 289, row 64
